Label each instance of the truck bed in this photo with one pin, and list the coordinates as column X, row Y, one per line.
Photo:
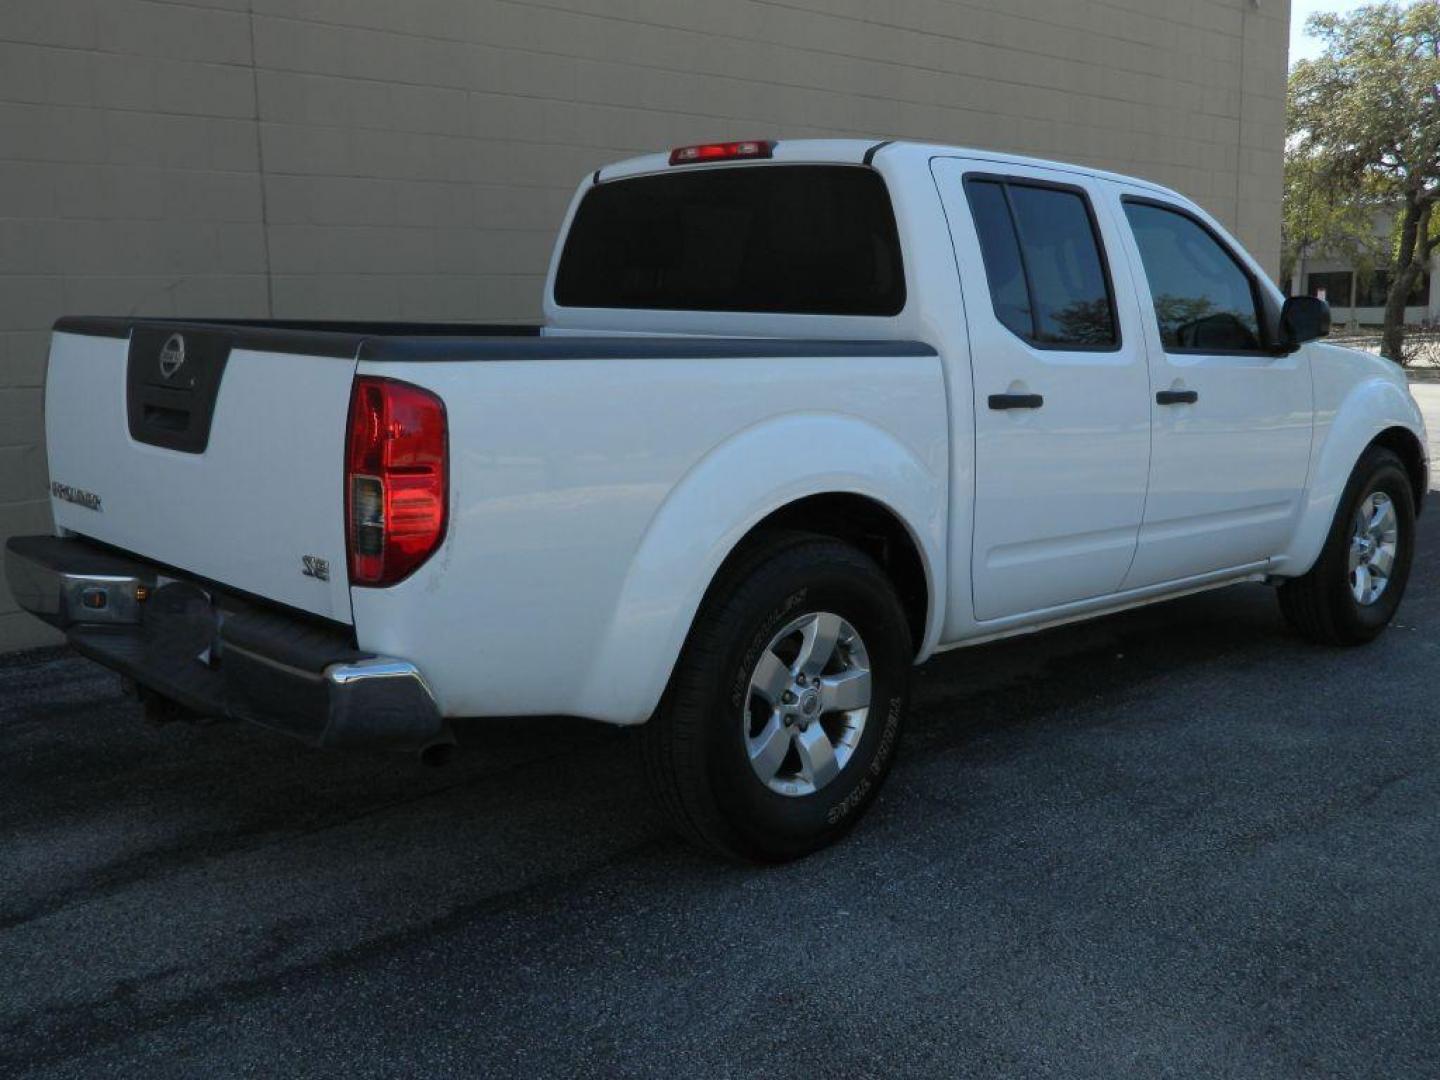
column 230, row 467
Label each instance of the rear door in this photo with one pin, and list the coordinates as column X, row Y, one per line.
column 1061, row 390
column 215, row 450
column 1232, row 420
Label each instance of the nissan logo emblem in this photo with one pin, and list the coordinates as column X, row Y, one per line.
column 172, row 355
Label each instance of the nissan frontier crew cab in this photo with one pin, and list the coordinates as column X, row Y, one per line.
column 800, row 415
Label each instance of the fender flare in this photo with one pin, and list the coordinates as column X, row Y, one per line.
column 1371, row 408
column 715, row 505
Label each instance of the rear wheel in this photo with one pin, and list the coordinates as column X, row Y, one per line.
column 1355, row 587
column 784, row 711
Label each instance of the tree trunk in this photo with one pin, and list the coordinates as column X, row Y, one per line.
column 1414, row 226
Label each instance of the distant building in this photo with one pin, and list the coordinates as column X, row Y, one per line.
column 1357, row 298
column 1354, row 299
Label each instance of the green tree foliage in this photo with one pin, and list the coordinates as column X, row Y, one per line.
column 1364, row 123
column 1323, row 217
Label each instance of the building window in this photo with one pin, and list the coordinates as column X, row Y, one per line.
column 1334, row 285
column 1373, row 292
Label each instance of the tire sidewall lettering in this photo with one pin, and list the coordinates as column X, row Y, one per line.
column 740, row 685
column 893, row 714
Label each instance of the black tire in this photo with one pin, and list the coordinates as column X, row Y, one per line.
column 694, row 748
column 1321, row 604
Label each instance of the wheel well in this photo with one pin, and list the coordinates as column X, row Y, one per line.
column 1403, row 443
column 871, row 527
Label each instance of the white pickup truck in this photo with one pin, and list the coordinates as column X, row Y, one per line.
column 800, row 415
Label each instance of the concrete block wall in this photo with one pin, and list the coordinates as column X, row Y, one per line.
column 376, row 159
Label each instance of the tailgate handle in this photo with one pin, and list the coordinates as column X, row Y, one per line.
column 157, row 416
column 173, row 372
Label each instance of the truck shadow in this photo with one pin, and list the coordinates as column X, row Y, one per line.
column 961, row 694
column 1024, row 678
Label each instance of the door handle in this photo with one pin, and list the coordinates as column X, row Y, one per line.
column 1177, row 397
column 1016, row 401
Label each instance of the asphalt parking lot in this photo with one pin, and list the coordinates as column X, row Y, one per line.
column 1178, row 842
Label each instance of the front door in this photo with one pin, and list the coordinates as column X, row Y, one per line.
column 1232, row 419
column 1061, row 390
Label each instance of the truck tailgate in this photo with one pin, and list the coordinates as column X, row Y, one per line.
column 209, row 449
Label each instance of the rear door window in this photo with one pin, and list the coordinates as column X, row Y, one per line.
column 801, row 239
column 1044, row 263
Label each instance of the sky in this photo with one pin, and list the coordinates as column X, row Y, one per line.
column 1302, row 46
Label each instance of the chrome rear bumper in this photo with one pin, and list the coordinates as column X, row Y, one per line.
column 221, row 655
column 66, row 585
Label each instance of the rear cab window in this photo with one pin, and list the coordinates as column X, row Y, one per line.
column 1044, row 262
column 790, row 239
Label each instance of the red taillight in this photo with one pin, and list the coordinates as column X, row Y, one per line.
column 396, row 471
column 721, row 151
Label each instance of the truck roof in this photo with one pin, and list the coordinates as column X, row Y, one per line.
column 862, row 151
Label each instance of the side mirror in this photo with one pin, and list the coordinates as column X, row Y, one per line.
column 1302, row 319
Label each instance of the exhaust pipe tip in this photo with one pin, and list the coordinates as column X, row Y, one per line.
column 160, row 710
column 437, row 754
